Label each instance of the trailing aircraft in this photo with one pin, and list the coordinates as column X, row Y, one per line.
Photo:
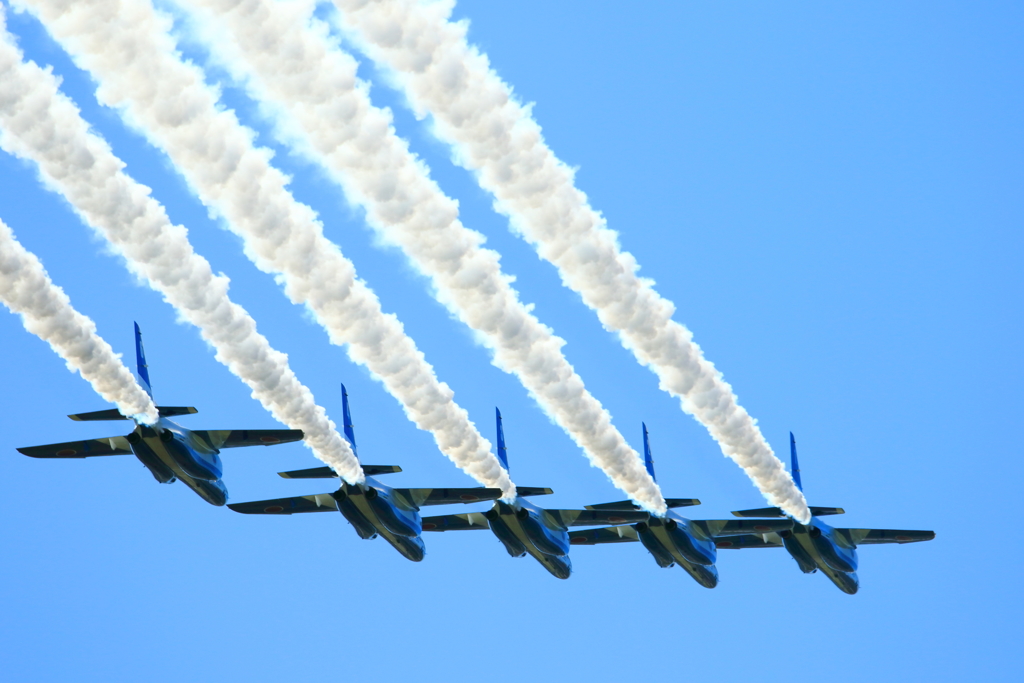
column 526, row 529
column 168, row 450
column 372, row 508
column 817, row 545
column 674, row 539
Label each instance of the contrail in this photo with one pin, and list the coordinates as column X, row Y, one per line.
column 496, row 137
column 40, row 124
column 129, row 51
column 46, row 311
column 289, row 62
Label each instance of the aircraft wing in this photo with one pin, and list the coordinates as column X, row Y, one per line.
column 875, row 536
column 716, row 528
column 421, row 497
column 569, row 518
column 749, row 541
column 235, row 438
column 90, row 448
column 319, row 502
column 608, row 534
column 470, row 521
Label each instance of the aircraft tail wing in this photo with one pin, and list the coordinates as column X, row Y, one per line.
column 236, row 438
column 328, row 473
column 718, row 528
column 90, row 448
column 749, row 541
column 422, row 497
column 524, row 491
column 608, row 534
column 319, row 502
column 569, row 518
column 112, row 414
column 877, row 536
column 470, row 521
column 630, row 505
column 760, row 512
column 776, row 512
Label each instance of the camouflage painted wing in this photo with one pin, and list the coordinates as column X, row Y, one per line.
column 422, row 497
column 236, row 438
column 715, row 528
column 608, row 534
column 470, row 521
column 90, row 448
column 319, row 502
column 749, row 541
column 568, row 518
column 877, row 536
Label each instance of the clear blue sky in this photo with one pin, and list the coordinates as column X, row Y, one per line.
column 832, row 197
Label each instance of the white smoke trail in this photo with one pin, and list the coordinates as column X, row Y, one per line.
column 290, row 63
column 46, row 311
column 496, row 136
column 127, row 48
column 40, row 124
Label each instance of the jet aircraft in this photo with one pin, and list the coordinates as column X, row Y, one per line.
column 817, row 545
column 674, row 539
column 524, row 528
column 168, row 450
column 372, row 508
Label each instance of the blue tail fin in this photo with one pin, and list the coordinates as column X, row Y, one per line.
column 350, row 433
column 502, row 451
column 140, row 359
column 648, row 458
column 795, row 465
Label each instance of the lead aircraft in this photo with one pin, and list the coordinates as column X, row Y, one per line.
column 525, row 529
column 371, row 507
column 674, row 539
column 168, row 450
column 817, row 545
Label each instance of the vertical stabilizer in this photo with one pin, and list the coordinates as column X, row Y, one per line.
column 350, row 432
column 648, row 458
column 795, row 465
column 140, row 360
column 502, row 451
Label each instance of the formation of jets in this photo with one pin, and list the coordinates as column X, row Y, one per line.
column 171, row 452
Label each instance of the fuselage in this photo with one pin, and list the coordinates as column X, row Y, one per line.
column 169, row 452
column 378, row 510
column 525, row 529
column 818, row 546
column 673, row 539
